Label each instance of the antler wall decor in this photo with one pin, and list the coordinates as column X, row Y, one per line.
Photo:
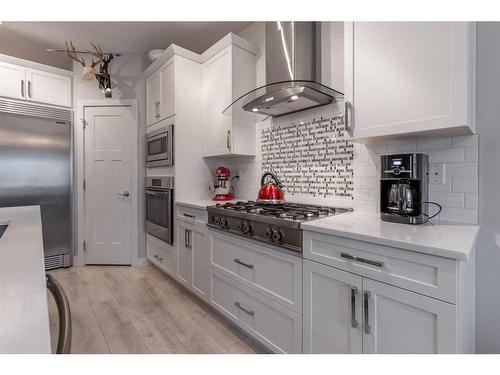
column 89, row 72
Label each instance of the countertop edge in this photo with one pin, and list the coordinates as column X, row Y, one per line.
column 435, row 251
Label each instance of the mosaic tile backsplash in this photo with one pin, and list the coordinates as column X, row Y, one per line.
column 312, row 158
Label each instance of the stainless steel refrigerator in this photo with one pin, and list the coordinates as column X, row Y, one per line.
column 36, row 169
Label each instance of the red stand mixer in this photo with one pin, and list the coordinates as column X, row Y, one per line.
column 222, row 185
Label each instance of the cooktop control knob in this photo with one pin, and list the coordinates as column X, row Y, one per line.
column 225, row 223
column 269, row 232
column 277, row 235
column 247, row 228
column 240, row 225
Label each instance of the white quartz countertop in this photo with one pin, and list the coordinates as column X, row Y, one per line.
column 445, row 240
column 24, row 316
column 202, row 204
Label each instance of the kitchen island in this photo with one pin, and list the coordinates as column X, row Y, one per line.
column 24, row 316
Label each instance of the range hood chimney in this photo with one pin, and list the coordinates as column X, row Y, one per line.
column 293, row 72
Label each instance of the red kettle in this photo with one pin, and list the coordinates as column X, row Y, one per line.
column 270, row 192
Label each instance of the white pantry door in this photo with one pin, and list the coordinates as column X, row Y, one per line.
column 108, row 203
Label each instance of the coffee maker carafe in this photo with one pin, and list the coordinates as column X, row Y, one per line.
column 403, row 188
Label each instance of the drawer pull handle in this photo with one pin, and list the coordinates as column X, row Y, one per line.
column 158, row 257
column 354, row 321
column 366, row 297
column 362, row 260
column 249, row 312
column 237, row 260
column 190, row 216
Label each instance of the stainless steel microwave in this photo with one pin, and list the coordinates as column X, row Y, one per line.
column 159, row 147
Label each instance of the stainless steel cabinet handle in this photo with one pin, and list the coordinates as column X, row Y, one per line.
column 249, row 312
column 228, row 140
column 187, row 238
column 237, row 260
column 347, row 124
column 158, row 257
column 29, row 89
column 362, row 260
column 366, row 298
column 124, row 194
column 22, row 88
column 157, row 109
column 64, row 312
column 189, row 216
column 354, row 321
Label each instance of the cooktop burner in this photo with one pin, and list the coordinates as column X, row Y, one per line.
column 278, row 224
column 292, row 211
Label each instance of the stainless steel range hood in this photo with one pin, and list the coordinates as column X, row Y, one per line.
column 293, row 72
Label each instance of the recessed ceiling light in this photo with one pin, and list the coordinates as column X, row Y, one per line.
column 255, row 109
column 294, row 97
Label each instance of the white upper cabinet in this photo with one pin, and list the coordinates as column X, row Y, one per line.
column 409, row 77
column 153, row 101
column 35, row 85
column 167, row 89
column 160, row 93
column 229, row 71
column 49, row 88
column 12, row 78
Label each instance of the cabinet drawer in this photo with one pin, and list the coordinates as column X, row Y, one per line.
column 161, row 258
column 160, row 244
column 275, row 326
column 426, row 274
column 191, row 215
column 275, row 274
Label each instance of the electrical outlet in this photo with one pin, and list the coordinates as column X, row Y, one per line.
column 437, row 173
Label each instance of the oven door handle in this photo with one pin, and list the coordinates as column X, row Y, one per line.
column 149, row 192
column 156, row 136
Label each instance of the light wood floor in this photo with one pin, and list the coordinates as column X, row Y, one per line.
column 140, row 310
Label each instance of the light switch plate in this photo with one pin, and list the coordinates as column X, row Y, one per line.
column 437, row 173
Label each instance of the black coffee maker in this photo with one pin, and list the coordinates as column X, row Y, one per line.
column 404, row 188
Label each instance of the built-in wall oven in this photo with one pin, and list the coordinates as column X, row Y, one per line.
column 159, row 207
column 159, row 147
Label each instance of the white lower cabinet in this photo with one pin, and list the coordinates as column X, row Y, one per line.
column 272, row 324
column 347, row 313
column 333, row 318
column 399, row 321
column 192, row 257
column 160, row 256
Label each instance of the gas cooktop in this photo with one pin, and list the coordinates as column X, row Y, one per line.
column 276, row 224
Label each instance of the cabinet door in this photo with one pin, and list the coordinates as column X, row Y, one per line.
column 198, row 242
column 216, row 97
column 184, row 254
column 48, row 88
column 407, row 77
column 167, row 90
column 399, row 321
column 153, row 103
column 12, row 81
column 332, row 310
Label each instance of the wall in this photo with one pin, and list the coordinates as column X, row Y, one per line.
column 14, row 44
column 127, row 83
column 488, row 245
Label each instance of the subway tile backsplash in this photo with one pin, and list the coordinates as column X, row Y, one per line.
column 302, row 154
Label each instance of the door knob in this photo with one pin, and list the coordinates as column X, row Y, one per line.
column 124, row 194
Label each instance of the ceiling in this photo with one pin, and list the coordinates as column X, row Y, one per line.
column 125, row 36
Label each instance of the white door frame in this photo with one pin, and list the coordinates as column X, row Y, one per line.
column 79, row 176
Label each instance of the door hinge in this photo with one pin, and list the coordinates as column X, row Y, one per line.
column 84, row 245
column 84, row 123
column 84, row 185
